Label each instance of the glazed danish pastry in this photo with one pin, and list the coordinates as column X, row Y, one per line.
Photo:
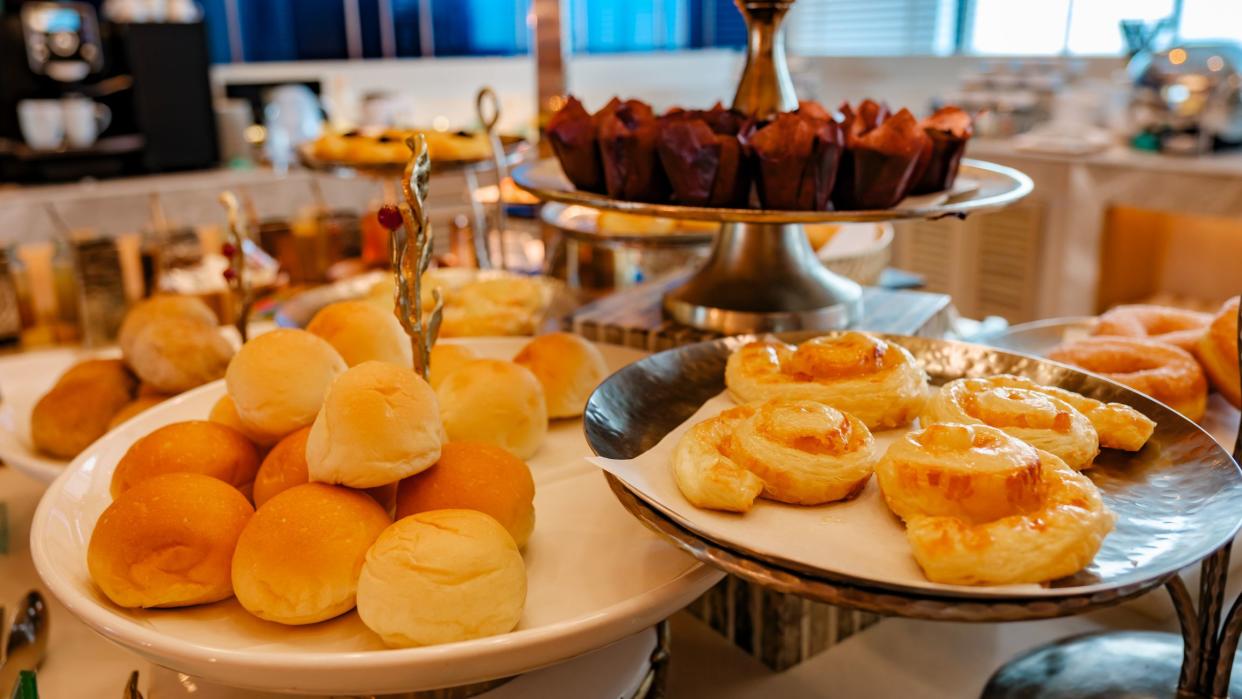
column 984, row 508
column 796, row 451
column 1218, row 352
column 1118, row 425
column 876, row 381
column 1167, row 373
column 1043, row 421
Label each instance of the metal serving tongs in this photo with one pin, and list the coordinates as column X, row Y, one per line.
column 487, row 107
column 25, row 645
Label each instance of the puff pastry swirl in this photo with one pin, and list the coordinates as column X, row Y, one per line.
column 876, row 381
column 1041, row 420
column 984, row 508
column 794, row 451
column 1119, row 426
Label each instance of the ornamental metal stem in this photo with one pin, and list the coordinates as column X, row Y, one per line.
column 235, row 252
column 487, row 108
column 410, row 247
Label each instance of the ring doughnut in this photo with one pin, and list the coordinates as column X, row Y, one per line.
column 796, row 451
column 876, row 381
column 984, row 508
column 1218, row 352
column 1043, row 421
column 1118, row 425
column 1172, row 326
column 1167, row 373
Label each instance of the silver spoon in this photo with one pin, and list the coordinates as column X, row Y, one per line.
column 26, row 645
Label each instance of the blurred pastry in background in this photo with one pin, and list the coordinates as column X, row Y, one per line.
column 1218, row 351
column 173, row 355
column 1165, row 372
column 80, row 407
column 135, row 407
column 1172, row 326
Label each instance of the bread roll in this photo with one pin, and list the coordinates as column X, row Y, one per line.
column 440, row 577
column 197, row 446
column 446, row 358
column 496, row 402
column 173, row 355
column 160, row 307
column 80, row 407
column 473, row 476
column 168, row 542
column 134, row 407
column 298, row 559
column 278, row 380
column 224, row 412
column 568, row 367
column 363, row 332
column 283, row 468
column 379, row 424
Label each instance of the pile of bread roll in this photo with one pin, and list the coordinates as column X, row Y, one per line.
column 377, row 491
column 508, row 305
column 169, row 344
column 989, row 488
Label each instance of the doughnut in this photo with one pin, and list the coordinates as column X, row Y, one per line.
column 1043, row 421
column 1119, row 426
column 1172, row 326
column 1167, row 373
column 1218, row 353
column 876, row 381
column 982, row 507
column 795, row 451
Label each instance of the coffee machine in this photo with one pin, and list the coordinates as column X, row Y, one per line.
column 151, row 79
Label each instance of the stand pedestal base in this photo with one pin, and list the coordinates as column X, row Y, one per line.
column 1128, row 665
column 764, row 277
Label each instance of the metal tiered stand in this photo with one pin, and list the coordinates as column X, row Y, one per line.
column 763, row 276
column 762, row 273
column 506, row 150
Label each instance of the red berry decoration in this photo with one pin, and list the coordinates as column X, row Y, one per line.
column 228, row 249
column 389, row 217
column 230, row 274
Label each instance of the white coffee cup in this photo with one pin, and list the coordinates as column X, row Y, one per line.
column 42, row 123
column 84, row 120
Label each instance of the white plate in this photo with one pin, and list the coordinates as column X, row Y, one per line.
column 595, row 576
column 24, row 379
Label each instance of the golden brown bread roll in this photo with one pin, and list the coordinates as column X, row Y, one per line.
column 447, row 358
column 297, row 561
column 80, row 407
column 173, row 355
column 984, row 508
column 196, row 446
column 278, row 380
column 362, row 332
column 1218, row 353
column 283, row 468
column 160, row 307
column 379, row 423
column 568, row 367
column 442, row 576
column 134, row 407
column 474, row 476
column 225, row 413
column 497, row 402
column 168, row 542
column 877, row 381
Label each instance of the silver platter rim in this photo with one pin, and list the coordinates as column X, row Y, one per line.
column 878, row 596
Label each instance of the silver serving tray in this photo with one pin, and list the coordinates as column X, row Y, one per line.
column 1177, row 500
column 983, row 186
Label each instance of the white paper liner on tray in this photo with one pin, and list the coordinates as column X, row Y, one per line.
column 860, row 538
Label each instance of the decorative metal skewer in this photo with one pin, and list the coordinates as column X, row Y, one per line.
column 410, row 247
column 234, row 250
column 487, row 107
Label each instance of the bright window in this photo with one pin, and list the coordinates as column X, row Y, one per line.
column 1211, row 19
column 872, row 27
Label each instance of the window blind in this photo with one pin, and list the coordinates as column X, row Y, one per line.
column 872, row 27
